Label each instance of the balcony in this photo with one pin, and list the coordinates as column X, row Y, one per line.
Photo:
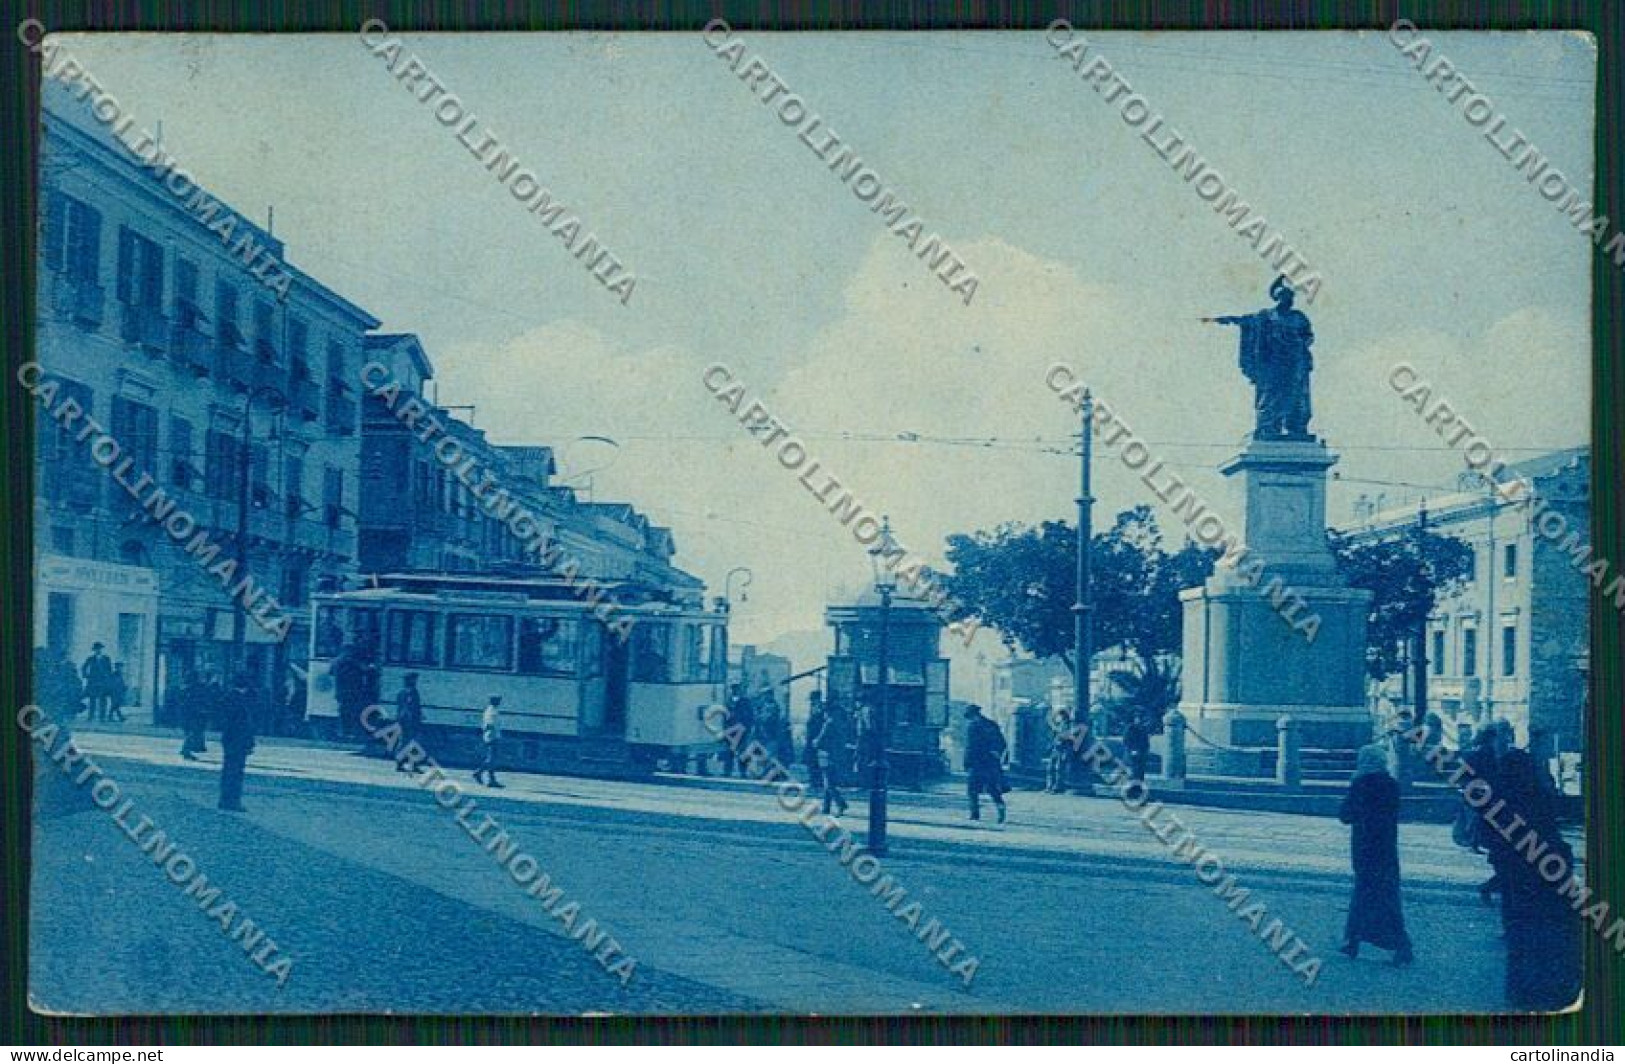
column 79, row 300
column 189, row 349
column 231, row 366
column 144, row 326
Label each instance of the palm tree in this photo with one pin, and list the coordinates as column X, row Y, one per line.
column 1150, row 686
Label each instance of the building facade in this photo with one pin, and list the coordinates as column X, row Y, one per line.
column 237, row 404
column 1512, row 643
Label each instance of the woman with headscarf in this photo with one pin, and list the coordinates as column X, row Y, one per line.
column 1542, row 931
column 1372, row 809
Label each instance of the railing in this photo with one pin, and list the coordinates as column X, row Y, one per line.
column 80, row 300
column 144, row 325
column 189, row 349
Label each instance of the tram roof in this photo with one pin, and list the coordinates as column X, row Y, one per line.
column 512, row 590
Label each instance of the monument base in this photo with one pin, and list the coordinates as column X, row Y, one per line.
column 1277, row 632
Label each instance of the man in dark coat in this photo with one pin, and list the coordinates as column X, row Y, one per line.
column 409, row 716
column 830, row 743
column 1542, row 931
column 815, row 724
column 192, row 698
column 1137, row 744
column 236, row 742
column 984, row 762
column 1371, row 807
column 98, row 676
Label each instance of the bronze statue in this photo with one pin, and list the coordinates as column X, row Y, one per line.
column 1275, row 358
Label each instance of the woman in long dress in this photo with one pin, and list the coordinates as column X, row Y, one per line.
column 1372, row 810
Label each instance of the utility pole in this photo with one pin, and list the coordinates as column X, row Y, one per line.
column 1082, row 605
column 239, row 629
column 1419, row 660
column 1492, row 625
column 880, row 726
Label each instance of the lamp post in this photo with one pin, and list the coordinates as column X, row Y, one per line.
column 880, row 725
column 239, row 615
column 725, row 607
column 728, row 583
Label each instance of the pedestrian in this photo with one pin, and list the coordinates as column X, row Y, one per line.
column 118, row 689
column 490, row 735
column 1061, row 752
column 1543, row 969
column 191, row 698
column 351, row 681
column 1371, row 808
column 236, row 741
column 830, row 744
column 1137, row 743
column 97, row 672
column 1469, row 831
column 809, row 753
column 409, row 717
column 57, row 687
column 984, row 762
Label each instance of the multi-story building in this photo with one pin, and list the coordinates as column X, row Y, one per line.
column 1512, row 642
column 156, row 319
column 417, row 514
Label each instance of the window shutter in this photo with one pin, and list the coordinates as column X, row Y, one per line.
column 89, row 252
column 126, row 265
column 56, row 229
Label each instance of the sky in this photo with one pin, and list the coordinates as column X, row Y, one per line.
column 748, row 251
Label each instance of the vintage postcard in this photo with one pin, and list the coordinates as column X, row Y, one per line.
column 743, row 522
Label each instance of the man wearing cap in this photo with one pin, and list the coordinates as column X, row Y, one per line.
column 490, row 734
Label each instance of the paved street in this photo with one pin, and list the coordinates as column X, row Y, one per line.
column 385, row 904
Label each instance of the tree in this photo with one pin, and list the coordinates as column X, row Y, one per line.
column 1407, row 575
column 1150, row 687
column 1020, row 581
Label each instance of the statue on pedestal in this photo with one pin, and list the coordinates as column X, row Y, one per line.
column 1275, row 358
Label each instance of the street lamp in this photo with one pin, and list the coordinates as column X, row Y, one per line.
column 728, row 584
column 880, row 725
column 276, row 402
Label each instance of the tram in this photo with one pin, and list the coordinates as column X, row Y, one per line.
column 585, row 688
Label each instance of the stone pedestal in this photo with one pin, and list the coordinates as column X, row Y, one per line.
column 1278, row 632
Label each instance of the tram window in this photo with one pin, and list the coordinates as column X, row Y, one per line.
column 479, row 641
column 696, row 654
column 592, row 650
column 329, row 631
column 412, row 638
column 547, row 646
column 651, row 652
